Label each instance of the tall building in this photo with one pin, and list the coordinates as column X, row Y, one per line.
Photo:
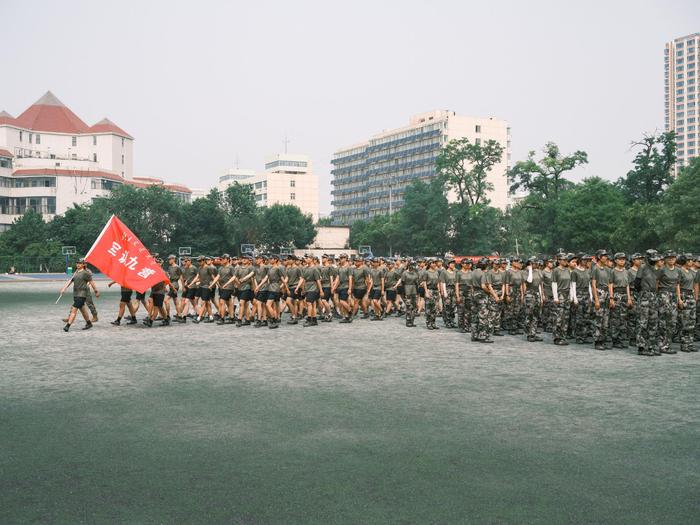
column 681, row 79
column 370, row 178
column 50, row 159
column 287, row 179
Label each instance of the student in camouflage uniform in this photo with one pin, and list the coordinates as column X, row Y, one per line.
column 483, row 294
column 410, row 279
column 515, row 297
column 620, row 301
column 548, row 306
column 82, row 281
column 648, row 305
column 533, row 299
column 431, row 281
column 496, row 279
column 669, row 299
column 600, row 280
column 636, row 263
column 561, row 285
column 581, row 276
column 687, row 311
column 449, row 279
column 463, row 290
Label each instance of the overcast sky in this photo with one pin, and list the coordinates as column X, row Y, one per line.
column 199, row 84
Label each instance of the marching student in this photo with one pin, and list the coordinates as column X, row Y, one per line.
column 82, row 281
column 124, row 303
column 174, row 273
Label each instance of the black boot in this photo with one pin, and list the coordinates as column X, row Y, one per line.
column 87, row 326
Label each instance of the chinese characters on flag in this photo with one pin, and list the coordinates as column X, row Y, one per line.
column 121, row 256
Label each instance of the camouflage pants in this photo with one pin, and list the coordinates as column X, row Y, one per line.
column 431, row 306
column 464, row 310
column 633, row 315
column 532, row 311
column 411, row 307
column 90, row 304
column 481, row 317
column 667, row 319
column 688, row 315
column 514, row 312
column 548, row 314
column 619, row 317
column 561, row 317
column 582, row 316
column 449, row 305
column 648, row 321
column 601, row 317
column 496, row 312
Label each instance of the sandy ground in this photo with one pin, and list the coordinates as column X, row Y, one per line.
column 364, row 423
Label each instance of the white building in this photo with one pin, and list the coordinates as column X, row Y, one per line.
column 287, row 179
column 51, row 159
column 370, row 178
column 681, row 80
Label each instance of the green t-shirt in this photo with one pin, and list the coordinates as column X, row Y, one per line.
column 668, row 278
column 344, row 274
column 241, row 272
column 274, row 276
column 534, row 286
column 687, row 279
column 619, row 278
column 359, row 276
column 311, row 274
column 225, row 274
column 293, row 275
column 260, row 273
column 206, row 275
column 174, row 274
column 81, row 278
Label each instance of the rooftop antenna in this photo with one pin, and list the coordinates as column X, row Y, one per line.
column 286, row 141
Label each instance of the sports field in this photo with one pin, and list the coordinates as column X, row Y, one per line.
column 364, row 423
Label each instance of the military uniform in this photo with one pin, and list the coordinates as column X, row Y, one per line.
column 449, row 278
column 481, row 318
column 668, row 279
column 514, row 309
column 496, row 308
column 561, row 276
column 648, row 311
column 431, row 278
column 601, row 320
column 464, row 279
column 619, row 317
column 532, row 301
column 548, row 307
column 687, row 314
column 410, row 280
column 582, row 310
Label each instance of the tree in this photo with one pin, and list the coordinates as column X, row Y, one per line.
column 203, row 227
column 243, row 220
column 465, row 166
column 80, row 225
column 651, row 174
column 284, row 225
column 325, row 221
column 545, row 178
column 381, row 232
column 476, row 230
column 679, row 218
column 424, row 219
column 26, row 230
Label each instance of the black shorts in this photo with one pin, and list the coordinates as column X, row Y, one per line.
column 126, row 297
column 401, row 290
column 273, row 296
column 359, row 293
column 327, row 292
column 421, row 291
column 246, row 295
column 79, row 302
column 391, row 295
column 140, row 296
column 262, row 296
column 158, row 299
column 376, row 294
column 198, row 292
column 205, row 293
column 312, row 297
column 190, row 293
column 172, row 293
column 343, row 294
column 298, row 295
column 224, row 294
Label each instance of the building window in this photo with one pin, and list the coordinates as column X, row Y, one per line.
column 477, row 128
column 30, row 137
column 94, row 157
column 679, row 91
column 74, row 141
column 122, row 159
column 94, row 140
column 38, row 138
column 122, row 142
column 74, row 156
column 292, row 183
column 20, row 136
column 292, row 196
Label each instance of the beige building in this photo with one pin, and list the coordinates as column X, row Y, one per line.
column 681, row 79
column 287, row 179
column 370, row 178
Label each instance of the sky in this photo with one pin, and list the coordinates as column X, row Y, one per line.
column 205, row 85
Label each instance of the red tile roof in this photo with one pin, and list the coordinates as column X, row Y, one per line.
column 6, row 118
column 146, row 182
column 50, row 114
column 107, row 126
column 5, row 153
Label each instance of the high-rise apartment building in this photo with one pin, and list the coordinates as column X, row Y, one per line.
column 287, row 179
column 681, row 79
column 370, row 178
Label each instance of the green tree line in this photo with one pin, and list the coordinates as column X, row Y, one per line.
column 645, row 208
column 217, row 223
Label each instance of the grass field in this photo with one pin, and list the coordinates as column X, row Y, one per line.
column 364, row 423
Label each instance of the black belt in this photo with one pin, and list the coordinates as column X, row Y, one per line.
column 620, row 289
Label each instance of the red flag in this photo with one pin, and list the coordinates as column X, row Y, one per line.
column 120, row 255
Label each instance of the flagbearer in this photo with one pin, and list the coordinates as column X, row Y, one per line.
column 82, row 282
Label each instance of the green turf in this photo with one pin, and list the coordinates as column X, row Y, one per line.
column 206, row 424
